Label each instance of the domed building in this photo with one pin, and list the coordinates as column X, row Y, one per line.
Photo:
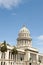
column 24, row 38
column 21, row 54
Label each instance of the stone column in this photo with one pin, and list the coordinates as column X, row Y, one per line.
column 37, row 58
column 7, row 63
column 0, row 62
column 7, row 54
column 16, row 57
column 0, row 54
column 27, row 57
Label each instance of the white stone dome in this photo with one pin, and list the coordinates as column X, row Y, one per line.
column 24, row 38
column 24, row 33
column 24, row 30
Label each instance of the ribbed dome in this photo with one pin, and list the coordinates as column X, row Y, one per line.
column 24, row 32
column 24, row 38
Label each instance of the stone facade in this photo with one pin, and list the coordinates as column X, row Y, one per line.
column 27, row 55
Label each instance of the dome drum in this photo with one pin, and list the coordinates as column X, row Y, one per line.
column 29, row 39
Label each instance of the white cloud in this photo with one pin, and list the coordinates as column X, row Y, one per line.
column 9, row 3
column 38, row 42
column 40, row 37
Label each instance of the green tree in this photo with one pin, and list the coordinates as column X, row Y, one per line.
column 14, row 52
column 4, row 47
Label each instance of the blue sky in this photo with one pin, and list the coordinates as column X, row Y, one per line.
column 15, row 13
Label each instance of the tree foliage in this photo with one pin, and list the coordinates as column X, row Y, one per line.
column 14, row 50
column 4, row 47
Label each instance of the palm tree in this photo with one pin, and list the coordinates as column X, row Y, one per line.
column 14, row 52
column 4, row 47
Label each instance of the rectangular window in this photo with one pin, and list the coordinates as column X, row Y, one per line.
column 1, row 63
column 3, row 55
